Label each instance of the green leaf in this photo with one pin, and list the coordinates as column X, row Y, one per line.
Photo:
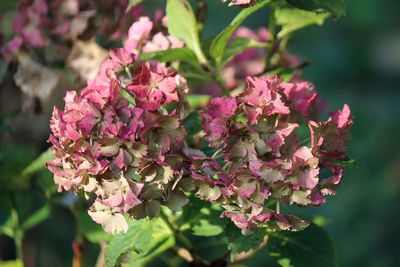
column 210, row 226
column 39, row 163
column 203, row 218
column 285, row 263
column 183, row 25
column 349, row 163
column 336, row 7
column 292, row 19
column 176, row 54
column 311, row 247
column 13, row 159
column 46, row 182
column 37, row 217
column 208, row 222
column 219, row 43
column 14, row 263
column 144, row 240
column 238, row 243
column 7, row 228
column 192, row 123
column 142, row 259
column 196, row 101
column 195, row 73
column 237, row 46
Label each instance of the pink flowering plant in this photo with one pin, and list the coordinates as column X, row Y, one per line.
column 175, row 140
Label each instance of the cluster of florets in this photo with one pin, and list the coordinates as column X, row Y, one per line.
column 40, row 22
column 146, row 35
column 252, row 61
column 263, row 159
column 66, row 31
column 120, row 140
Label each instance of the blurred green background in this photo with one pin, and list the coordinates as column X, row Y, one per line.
column 355, row 60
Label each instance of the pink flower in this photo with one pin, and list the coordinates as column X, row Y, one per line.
column 262, row 98
column 112, row 220
column 121, row 193
column 11, row 48
column 138, row 34
column 304, row 172
column 330, row 138
column 220, row 110
column 29, row 21
column 125, row 155
column 342, row 117
column 300, row 94
column 161, row 42
column 154, row 86
column 262, row 160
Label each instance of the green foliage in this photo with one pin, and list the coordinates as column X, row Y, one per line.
column 196, row 101
column 203, row 218
column 144, row 240
column 292, row 19
column 183, row 25
column 336, row 7
column 177, row 54
column 238, row 243
column 208, row 227
column 13, row 159
column 46, row 182
column 195, row 73
column 12, row 228
column 219, row 43
column 192, row 123
column 311, row 247
column 36, row 217
column 38, row 164
column 14, row 263
column 147, row 239
column 349, row 163
column 7, row 227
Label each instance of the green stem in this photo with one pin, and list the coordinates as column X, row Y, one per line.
column 18, row 236
column 18, row 246
column 128, row 72
column 278, row 206
column 178, row 235
column 128, row 97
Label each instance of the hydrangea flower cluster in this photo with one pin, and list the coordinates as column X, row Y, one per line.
column 121, row 141
column 146, row 35
column 39, row 22
column 264, row 161
column 64, row 31
column 251, row 62
column 118, row 141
